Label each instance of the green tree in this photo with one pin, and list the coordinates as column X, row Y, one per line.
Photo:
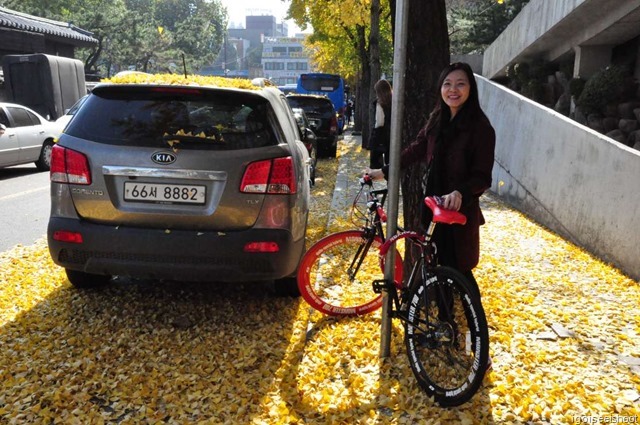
column 475, row 24
column 148, row 35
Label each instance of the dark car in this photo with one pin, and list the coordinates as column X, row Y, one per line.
column 309, row 139
column 322, row 118
column 190, row 183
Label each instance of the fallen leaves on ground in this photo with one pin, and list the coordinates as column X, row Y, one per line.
column 177, row 353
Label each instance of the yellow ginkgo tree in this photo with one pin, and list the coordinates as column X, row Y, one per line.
column 340, row 42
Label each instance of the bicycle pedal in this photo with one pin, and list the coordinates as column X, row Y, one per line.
column 381, row 284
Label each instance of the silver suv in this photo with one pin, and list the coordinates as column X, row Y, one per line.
column 191, row 183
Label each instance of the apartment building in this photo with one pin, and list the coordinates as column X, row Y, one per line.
column 284, row 59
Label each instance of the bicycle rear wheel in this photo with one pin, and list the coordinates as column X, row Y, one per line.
column 446, row 337
column 336, row 274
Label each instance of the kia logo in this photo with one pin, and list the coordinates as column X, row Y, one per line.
column 163, row 158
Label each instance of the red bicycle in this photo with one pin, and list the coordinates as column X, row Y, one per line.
column 446, row 332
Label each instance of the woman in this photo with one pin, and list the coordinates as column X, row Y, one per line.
column 380, row 139
column 458, row 145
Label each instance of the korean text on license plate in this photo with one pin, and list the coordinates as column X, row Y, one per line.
column 165, row 193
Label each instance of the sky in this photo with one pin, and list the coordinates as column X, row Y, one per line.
column 238, row 9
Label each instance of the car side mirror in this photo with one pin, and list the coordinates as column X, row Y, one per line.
column 308, row 134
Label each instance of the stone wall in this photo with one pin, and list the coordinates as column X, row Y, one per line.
column 619, row 121
column 570, row 178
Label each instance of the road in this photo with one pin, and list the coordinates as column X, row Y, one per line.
column 24, row 205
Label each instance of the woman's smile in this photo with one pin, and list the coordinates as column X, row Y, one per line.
column 455, row 90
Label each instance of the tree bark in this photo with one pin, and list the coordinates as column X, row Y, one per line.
column 374, row 61
column 362, row 104
column 427, row 55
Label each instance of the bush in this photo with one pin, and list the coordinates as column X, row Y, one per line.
column 603, row 88
column 576, row 85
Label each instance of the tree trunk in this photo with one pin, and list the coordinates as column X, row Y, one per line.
column 374, row 61
column 362, row 103
column 427, row 55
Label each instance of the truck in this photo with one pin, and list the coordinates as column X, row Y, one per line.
column 48, row 84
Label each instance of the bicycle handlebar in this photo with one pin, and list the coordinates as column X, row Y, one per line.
column 435, row 203
column 366, row 180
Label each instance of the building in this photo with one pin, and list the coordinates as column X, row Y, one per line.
column 25, row 34
column 258, row 27
column 284, row 59
column 590, row 33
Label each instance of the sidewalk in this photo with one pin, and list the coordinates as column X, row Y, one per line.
column 564, row 327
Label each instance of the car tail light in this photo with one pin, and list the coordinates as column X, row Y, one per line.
column 69, row 166
column 67, row 236
column 261, row 247
column 333, row 124
column 273, row 176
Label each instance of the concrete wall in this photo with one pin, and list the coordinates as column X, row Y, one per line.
column 474, row 61
column 552, row 29
column 575, row 181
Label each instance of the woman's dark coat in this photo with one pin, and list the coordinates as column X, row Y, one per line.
column 466, row 166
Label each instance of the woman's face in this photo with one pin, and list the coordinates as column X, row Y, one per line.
column 455, row 90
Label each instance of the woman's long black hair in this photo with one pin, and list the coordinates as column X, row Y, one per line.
column 471, row 108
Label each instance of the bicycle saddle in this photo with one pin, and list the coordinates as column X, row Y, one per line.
column 442, row 215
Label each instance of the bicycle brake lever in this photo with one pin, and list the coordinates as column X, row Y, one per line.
column 366, row 179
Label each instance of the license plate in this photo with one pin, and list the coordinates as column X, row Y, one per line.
column 165, row 193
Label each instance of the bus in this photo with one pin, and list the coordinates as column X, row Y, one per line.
column 330, row 85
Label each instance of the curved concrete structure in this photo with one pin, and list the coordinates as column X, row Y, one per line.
column 554, row 29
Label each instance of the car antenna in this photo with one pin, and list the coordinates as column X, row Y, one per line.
column 184, row 65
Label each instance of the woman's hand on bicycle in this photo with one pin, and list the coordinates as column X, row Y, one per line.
column 375, row 173
column 452, row 201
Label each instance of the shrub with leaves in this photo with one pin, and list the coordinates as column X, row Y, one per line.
column 603, row 88
column 576, row 85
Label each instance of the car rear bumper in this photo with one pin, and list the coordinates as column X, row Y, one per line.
column 185, row 255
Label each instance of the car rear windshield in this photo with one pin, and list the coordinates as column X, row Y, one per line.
column 176, row 117
column 310, row 104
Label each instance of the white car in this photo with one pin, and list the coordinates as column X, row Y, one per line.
column 28, row 137
column 62, row 122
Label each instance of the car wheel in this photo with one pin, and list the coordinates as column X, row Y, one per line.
column 332, row 151
column 312, row 176
column 286, row 287
column 44, row 161
column 86, row 280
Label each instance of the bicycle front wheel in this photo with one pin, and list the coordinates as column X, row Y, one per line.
column 446, row 336
column 336, row 274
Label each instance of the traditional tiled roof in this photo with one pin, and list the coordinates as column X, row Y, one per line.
column 22, row 21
